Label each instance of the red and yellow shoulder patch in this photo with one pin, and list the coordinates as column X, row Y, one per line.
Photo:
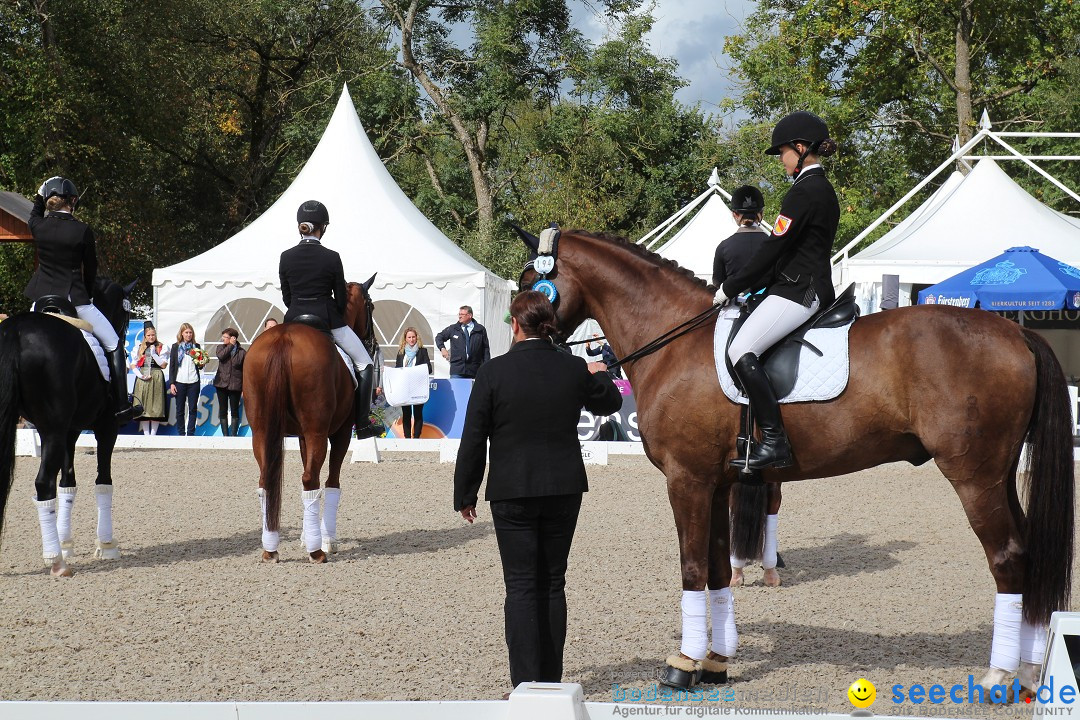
column 783, row 222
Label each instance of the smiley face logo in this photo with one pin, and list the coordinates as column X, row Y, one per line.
column 862, row 693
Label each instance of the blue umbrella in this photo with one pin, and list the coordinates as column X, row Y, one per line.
column 1021, row 278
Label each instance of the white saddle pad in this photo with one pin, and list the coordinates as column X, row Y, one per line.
column 348, row 365
column 99, row 353
column 820, row 377
column 406, row 385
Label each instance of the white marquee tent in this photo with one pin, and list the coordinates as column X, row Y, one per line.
column 694, row 245
column 423, row 277
column 968, row 220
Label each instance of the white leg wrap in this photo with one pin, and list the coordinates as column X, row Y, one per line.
column 1005, row 650
column 66, row 498
column 768, row 551
column 312, row 528
column 725, row 638
column 104, row 495
column 270, row 540
column 1032, row 644
column 331, row 500
column 737, row 562
column 50, row 540
column 695, row 633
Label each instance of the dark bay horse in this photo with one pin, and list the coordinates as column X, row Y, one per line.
column 49, row 375
column 963, row 387
column 295, row 383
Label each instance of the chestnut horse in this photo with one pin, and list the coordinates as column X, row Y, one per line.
column 918, row 390
column 295, row 383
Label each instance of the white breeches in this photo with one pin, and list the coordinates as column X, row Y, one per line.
column 103, row 330
column 347, row 340
column 768, row 325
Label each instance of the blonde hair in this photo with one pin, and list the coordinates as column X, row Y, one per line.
column 180, row 332
column 58, row 202
column 143, row 345
column 419, row 342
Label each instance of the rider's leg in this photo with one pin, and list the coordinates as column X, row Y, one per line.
column 114, row 351
column 766, row 326
column 347, row 340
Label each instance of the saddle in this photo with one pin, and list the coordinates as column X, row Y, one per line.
column 782, row 359
column 313, row 321
column 55, row 305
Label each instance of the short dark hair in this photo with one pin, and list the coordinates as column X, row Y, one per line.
column 534, row 313
column 231, row 331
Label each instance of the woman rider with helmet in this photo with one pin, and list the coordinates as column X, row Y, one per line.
column 313, row 283
column 67, row 266
column 734, row 253
column 796, row 256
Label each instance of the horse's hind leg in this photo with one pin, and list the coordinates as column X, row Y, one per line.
column 66, row 499
column 988, row 495
column 725, row 637
column 339, row 446
column 313, row 448
column 53, row 451
column 770, row 557
column 107, row 548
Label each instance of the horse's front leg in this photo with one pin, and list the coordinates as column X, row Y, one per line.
column 692, row 502
column 313, row 450
column 339, row 446
column 106, row 548
column 53, row 450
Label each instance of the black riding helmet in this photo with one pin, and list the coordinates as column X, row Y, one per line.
column 747, row 200
column 62, row 187
column 801, row 126
column 313, row 212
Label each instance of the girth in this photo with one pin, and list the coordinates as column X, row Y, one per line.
column 782, row 359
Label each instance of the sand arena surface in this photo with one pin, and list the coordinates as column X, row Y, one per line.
column 884, row 580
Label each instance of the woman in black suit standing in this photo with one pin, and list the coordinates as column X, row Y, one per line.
column 412, row 353
column 527, row 404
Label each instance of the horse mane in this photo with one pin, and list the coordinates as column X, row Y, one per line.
column 644, row 253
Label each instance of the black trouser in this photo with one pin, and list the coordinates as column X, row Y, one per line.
column 228, row 399
column 534, row 536
column 187, row 398
column 408, row 412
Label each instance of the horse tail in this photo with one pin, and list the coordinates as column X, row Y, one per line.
column 749, row 503
column 1048, row 528
column 9, row 412
column 273, row 407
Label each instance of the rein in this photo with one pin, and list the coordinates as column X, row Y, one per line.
column 670, row 336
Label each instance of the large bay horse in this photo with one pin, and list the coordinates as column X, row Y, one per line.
column 50, row 376
column 963, row 387
column 295, row 383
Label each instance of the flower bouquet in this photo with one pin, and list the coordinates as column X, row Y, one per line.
column 199, row 356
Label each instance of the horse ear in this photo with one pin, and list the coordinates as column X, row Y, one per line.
column 129, row 287
column 367, row 285
column 528, row 238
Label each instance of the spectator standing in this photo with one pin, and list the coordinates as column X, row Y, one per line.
column 185, row 378
column 148, row 360
column 229, row 380
column 411, row 352
column 468, row 345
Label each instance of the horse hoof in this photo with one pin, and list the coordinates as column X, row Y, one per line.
column 59, row 568
column 736, row 578
column 330, row 546
column 714, row 670
column 269, row 557
column 681, row 672
column 107, row 551
column 318, row 557
column 67, row 549
column 772, row 578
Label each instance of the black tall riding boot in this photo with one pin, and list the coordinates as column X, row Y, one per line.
column 365, row 428
column 774, row 450
column 124, row 406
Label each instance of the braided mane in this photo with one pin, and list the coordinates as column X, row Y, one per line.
column 646, row 254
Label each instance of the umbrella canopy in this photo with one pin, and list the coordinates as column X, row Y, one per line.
column 1021, row 278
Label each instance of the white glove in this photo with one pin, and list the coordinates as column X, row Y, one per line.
column 41, row 190
column 720, row 298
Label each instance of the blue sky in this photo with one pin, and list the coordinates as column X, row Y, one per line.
column 690, row 31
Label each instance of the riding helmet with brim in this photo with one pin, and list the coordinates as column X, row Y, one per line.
column 801, row 126
column 747, row 200
column 60, row 186
column 313, row 212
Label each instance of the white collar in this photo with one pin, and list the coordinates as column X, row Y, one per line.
column 809, row 167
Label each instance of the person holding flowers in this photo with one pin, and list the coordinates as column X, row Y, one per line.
column 186, row 359
column 148, row 359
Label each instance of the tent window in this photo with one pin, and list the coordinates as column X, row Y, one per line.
column 247, row 315
column 391, row 319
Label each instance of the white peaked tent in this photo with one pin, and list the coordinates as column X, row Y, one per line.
column 694, row 246
column 968, row 220
column 422, row 274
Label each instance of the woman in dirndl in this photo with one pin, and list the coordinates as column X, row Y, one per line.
column 148, row 360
